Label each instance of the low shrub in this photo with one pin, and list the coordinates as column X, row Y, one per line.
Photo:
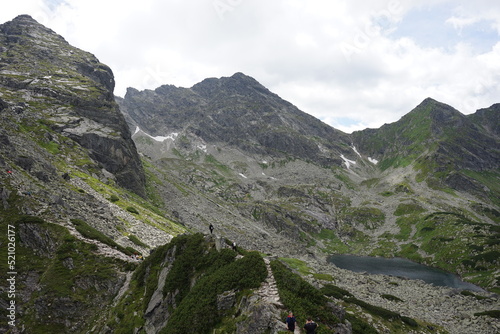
column 493, row 313
column 91, row 233
column 391, row 297
column 374, row 310
column 335, row 292
column 133, row 210
column 29, row 219
column 113, row 198
column 360, row 326
column 197, row 311
column 137, row 241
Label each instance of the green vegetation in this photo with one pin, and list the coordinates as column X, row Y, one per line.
column 369, row 217
column 489, row 178
column 302, row 298
column 113, row 198
column 197, row 312
column 339, row 293
column 408, row 208
column 335, row 292
column 210, row 159
column 91, row 233
column 67, row 270
column 332, row 241
column 303, row 269
column 133, row 210
column 360, row 326
column 493, row 313
column 137, row 241
column 194, row 307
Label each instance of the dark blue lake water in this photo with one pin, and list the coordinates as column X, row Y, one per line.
column 400, row 267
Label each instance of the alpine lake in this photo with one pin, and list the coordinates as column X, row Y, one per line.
column 402, row 268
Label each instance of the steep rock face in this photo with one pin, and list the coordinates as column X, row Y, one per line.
column 488, row 119
column 58, row 274
column 43, row 77
column 437, row 139
column 236, row 111
column 437, row 129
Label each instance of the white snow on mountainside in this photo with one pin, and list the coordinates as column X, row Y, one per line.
column 171, row 136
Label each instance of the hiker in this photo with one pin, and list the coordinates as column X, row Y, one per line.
column 234, row 246
column 310, row 326
column 290, row 322
column 211, row 227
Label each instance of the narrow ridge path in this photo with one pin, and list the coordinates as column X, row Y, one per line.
column 268, row 291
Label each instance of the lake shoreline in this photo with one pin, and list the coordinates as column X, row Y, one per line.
column 442, row 306
column 401, row 267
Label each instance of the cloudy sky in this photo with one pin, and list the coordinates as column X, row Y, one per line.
column 353, row 64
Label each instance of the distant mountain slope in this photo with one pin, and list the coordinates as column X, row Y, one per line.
column 236, row 111
column 442, row 144
column 438, row 128
column 252, row 162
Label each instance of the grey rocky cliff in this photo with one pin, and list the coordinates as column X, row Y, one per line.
column 236, row 111
column 75, row 92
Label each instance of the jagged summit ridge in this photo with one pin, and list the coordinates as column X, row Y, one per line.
column 236, row 111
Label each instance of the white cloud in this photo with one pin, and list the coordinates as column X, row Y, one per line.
column 295, row 48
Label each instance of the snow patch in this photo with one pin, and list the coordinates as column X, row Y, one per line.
column 355, row 150
column 171, row 136
column 243, row 176
column 162, row 138
column 373, row 161
column 202, row 147
column 347, row 161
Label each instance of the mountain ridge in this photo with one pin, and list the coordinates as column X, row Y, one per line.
column 97, row 214
column 431, row 151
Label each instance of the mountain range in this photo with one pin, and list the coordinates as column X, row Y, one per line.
column 92, row 183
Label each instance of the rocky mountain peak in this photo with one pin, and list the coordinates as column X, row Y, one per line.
column 25, row 25
column 237, row 84
column 237, row 111
column 46, row 79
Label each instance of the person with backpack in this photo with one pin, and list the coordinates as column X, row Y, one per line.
column 290, row 322
column 310, row 326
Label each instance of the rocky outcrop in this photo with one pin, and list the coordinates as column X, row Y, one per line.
column 71, row 91
column 54, row 276
column 236, row 111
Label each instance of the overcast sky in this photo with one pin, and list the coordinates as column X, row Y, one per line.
column 353, row 64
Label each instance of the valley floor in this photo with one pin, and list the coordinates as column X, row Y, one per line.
column 441, row 306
